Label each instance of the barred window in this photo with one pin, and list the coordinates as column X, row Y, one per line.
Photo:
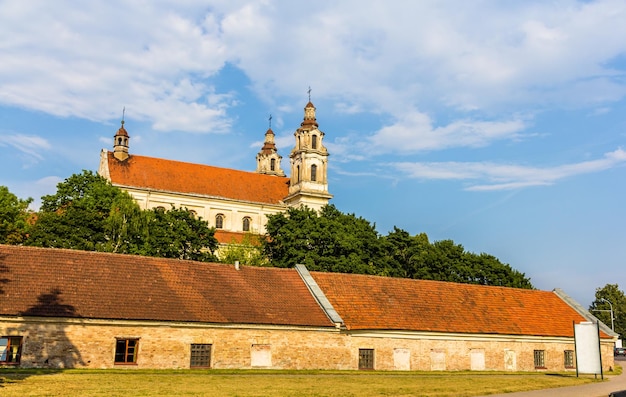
column 246, row 224
column 314, row 173
column 366, row 358
column 200, row 355
column 540, row 358
column 568, row 357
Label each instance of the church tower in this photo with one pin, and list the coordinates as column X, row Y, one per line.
column 120, row 143
column 268, row 159
column 309, row 165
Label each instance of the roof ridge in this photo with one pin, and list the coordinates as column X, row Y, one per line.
column 201, row 165
column 456, row 283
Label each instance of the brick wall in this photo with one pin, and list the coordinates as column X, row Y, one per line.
column 91, row 344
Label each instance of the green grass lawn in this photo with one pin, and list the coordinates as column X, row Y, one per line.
column 242, row 383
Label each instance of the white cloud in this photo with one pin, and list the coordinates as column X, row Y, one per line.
column 161, row 58
column 493, row 176
column 30, row 145
column 415, row 132
column 90, row 60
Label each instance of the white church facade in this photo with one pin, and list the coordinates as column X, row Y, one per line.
column 234, row 202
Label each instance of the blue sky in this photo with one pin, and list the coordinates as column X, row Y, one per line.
column 499, row 125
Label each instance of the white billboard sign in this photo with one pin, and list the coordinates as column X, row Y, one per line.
column 587, row 341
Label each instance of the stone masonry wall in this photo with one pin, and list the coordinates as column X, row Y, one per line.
column 90, row 344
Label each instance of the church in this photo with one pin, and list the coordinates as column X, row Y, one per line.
column 233, row 202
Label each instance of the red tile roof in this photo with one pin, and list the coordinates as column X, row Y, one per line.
column 381, row 303
column 177, row 176
column 81, row 284
column 228, row 237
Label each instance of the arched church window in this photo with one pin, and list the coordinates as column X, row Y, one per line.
column 246, row 224
column 314, row 141
column 298, row 174
column 219, row 221
column 273, row 164
column 193, row 213
column 119, row 140
column 314, row 172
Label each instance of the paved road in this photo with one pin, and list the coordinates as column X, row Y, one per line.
column 601, row 389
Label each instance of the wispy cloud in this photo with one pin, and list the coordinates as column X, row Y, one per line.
column 30, row 145
column 415, row 132
column 485, row 176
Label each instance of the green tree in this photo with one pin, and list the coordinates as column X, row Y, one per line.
column 328, row 241
column 404, row 253
column 125, row 227
column 486, row 269
column 88, row 213
column 248, row 252
column 177, row 233
column 77, row 215
column 336, row 242
column 601, row 308
column 13, row 217
column 415, row 257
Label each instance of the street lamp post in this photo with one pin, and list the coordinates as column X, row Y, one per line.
column 611, row 306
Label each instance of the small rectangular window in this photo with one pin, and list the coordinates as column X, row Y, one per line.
column 366, row 358
column 126, row 351
column 200, row 355
column 540, row 358
column 10, row 349
column 568, row 357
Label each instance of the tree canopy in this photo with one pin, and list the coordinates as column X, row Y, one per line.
column 88, row 213
column 247, row 251
column 13, row 217
column 336, row 242
column 607, row 296
column 328, row 241
column 177, row 233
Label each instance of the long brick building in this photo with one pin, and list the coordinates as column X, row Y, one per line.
column 64, row 308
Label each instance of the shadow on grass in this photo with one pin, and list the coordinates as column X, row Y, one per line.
column 16, row 375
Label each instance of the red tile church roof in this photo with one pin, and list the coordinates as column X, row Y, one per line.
column 227, row 237
column 82, row 284
column 382, row 303
column 177, row 176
